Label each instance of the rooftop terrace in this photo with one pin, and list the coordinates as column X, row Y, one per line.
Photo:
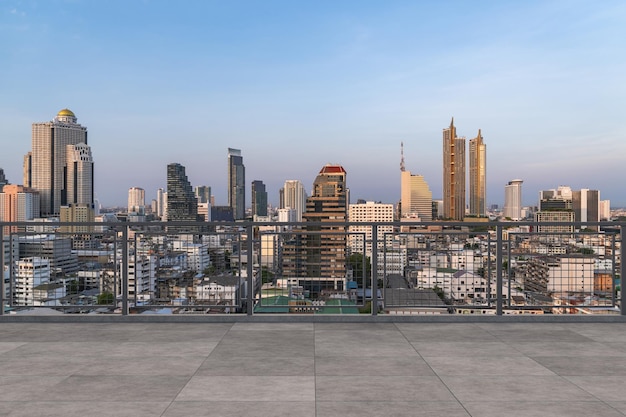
column 167, row 366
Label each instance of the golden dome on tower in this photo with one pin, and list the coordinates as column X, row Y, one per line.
column 66, row 113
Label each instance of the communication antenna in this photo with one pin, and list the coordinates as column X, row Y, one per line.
column 402, row 156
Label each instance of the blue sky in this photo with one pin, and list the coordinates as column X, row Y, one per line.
column 298, row 84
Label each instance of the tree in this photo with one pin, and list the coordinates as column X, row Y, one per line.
column 105, row 298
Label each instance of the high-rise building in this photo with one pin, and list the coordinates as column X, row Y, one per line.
column 259, row 199
column 203, row 193
column 326, row 253
column 161, row 204
column 60, row 166
column 293, row 195
column 3, row 179
column 236, row 184
column 137, row 201
column 18, row 204
column 513, row 200
column 477, row 176
column 453, row 174
column 369, row 212
column 605, row 210
column 416, row 199
column 586, row 205
column 182, row 204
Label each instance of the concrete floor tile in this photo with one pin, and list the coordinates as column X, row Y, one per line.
column 488, row 366
column 27, row 387
column 249, row 388
column 263, row 327
column 394, row 408
column 82, row 408
column 144, row 366
column 53, row 350
column 464, row 349
column 266, row 365
column 371, row 365
column 549, row 347
column 116, row 388
column 514, row 388
column 45, row 366
column 381, row 388
column 241, row 409
column 541, row 409
column 584, row 365
column 539, row 335
column 172, row 348
column 603, row 388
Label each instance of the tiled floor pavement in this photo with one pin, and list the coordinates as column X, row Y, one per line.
column 313, row 369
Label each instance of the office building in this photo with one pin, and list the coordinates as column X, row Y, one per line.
column 137, row 201
column 60, row 166
column 236, row 184
column 513, row 200
column 293, row 195
column 161, row 204
column 477, row 176
column 182, row 204
column 259, row 199
column 203, row 194
column 416, row 199
column 326, row 253
column 3, row 179
column 586, row 206
column 453, row 174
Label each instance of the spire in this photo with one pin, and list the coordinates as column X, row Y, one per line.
column 401, row 156
column 452, row 122
column 479, row 135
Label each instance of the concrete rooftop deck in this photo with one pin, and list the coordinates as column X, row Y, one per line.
column 308, row 369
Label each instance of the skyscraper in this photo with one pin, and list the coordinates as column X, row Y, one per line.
column 203, row 193
column 3, row 179
column 513, row 200
column 477, row 176
column 137, row 200
column 586, row 205
column 236, row 184
column 453, row 174
column 18, row 204
column 161, row 204
column 416, row 199
column 259, row 199
column 60, row 166
column 326, row 253
column 294, row 197
column 182, row 204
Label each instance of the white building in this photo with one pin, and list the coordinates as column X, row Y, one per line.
column 513, row 200
column 197, row 254
column 294, row 197
column 571, row 275
column 29, row 273
column 360, row 237
column 137, row 201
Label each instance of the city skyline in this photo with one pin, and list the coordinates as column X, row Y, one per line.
column 311, row 84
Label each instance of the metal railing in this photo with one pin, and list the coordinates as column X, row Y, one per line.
column 395, row 268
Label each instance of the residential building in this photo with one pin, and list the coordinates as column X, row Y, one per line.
column 137, row 201
column 477, row 176
column 360, row 238
column 236, row 184
column 453, row 174
column 18, row 204
column 60, row 166
column 293, row 195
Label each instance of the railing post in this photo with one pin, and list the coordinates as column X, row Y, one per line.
column 374, row 272
column 2, row 285
column 499, row 270
column 622, row 270
column 250, row 278
column 124, row 270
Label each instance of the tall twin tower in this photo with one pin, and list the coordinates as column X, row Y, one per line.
column 454, row 175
